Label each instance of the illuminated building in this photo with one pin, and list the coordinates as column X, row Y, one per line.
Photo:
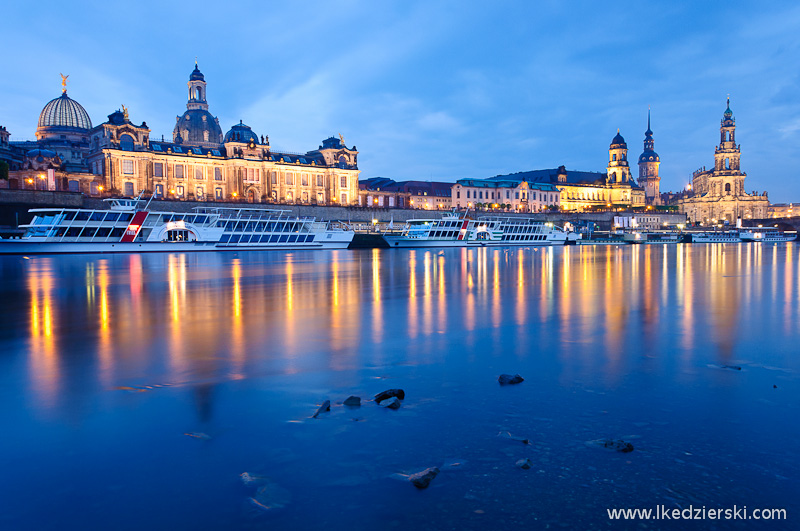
column 649, row 162
column 718, row 195
column 510, row 195
column 119, row 157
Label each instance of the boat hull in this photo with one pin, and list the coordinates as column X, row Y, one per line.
column 28, row 248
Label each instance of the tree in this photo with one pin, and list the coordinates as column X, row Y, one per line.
column 3, row 170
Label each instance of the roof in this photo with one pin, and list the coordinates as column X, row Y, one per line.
column 64, row 112
column 551, row 176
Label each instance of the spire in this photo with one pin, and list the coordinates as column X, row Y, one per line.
column 648, row 132
column 728, row 111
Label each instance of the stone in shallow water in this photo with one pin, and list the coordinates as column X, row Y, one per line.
column 353, row 401
column 389, row 393
column 507, row 379
column 524, row 464
column 391, row 403
column 326, row 406
column 509, row 435
column 270, row 497
column 199, row 435
column 421, row 480
column 610, row 444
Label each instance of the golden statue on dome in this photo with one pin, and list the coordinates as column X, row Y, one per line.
column 64, row 82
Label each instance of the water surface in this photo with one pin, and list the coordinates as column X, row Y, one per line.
column 106, row 362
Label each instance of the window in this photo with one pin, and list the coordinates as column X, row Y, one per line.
column 728, row 187
column 320, row 180
column 128, row 189
column 304, row 180
column 320, row 198
column 158, row 169
column 614, row 156
column 217, row 174
column 344, row 197
column 343, row 181
column 127, row 167
column 252, row 174
column 274, row 177
column 342, row 162
column 289, row 196
column 74, row 186
column 198, row 172
column 289, row 179
column 305, row 197
column 179, row 171
column 508, row 194
column 458, row 195
column 391, row 200
column 125, row 143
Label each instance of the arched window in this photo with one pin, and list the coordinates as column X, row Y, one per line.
column 727, row 164
column 198, row 92
column 728, row 187
column 126, row 142
column 614, row 156
column 342, row 162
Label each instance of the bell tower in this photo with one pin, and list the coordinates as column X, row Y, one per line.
column 648, row 168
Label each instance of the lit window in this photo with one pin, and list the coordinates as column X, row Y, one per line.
column 158, row 169
column 179, row 171
column 304, row 180
column 217, row 174
column 198, row 172
column 320, row 180
column 289, row 179
column 343, row 181
column 127, row 167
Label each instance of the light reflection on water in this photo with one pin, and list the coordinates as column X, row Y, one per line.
column 604, row 320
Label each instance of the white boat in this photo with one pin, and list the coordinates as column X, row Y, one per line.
column 727, row 236
column 458, row 230
column 129, row 227
column 767, row 235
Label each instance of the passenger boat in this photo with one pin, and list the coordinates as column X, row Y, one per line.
column 129, row 227
column 767, row 235
column 459, row 230
column 728, row 236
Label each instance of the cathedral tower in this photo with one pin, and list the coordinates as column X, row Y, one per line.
column 648, row 168
column 618, row 170
column 197, row 126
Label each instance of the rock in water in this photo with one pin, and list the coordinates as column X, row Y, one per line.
column 389, row 393
column 732, row 367
column 509, row 435
column 618, row 445
column 421, row 480
column 507, row 379
column 524, row 464
column 326, row 406
column 391, row 403
column 353, row 401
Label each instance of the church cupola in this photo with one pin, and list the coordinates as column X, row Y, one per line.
column 618, row 170
column 197, row 90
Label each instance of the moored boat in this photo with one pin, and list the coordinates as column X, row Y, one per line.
column 767, row 235
column 128, row 226
column 727, row 236
column 459, row 230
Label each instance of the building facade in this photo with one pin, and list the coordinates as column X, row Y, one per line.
column 718, row 195
column 510, row 195
column 119, row 157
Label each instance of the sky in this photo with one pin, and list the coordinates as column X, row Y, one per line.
column 434, row 90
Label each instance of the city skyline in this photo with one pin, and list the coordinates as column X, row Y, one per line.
column 429, row 93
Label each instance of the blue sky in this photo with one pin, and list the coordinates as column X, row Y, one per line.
column 435, row 90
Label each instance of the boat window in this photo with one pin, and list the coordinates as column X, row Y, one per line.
column 292, row 238
column 88, row 232
column 201, row 220
column 250, row 227
column 103, row 232
column 260, row 226
column 117, row 232
column 69, row 216
column 283, row 238
column 165, row 218
column 264, row 238
column 60, row 232
column 225, row 238
column 240, row 226
column 126, row 216
column 235, row 238
column 189, row 219
column 97, row 216
column 73, row 232
column 82, row 216
column 112, row 216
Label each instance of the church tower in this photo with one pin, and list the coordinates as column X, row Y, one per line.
column 726, row 156
column 648, row 168
column 618, row 170
column 197, row 126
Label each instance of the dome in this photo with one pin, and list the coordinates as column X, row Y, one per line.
column 196, row 75
column 618, row 140
column 241, row 133
column 198, row 126
column 64, row 112
column 40, row 153
column 649, row 156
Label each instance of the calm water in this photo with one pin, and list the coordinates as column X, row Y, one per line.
column 107, row 362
